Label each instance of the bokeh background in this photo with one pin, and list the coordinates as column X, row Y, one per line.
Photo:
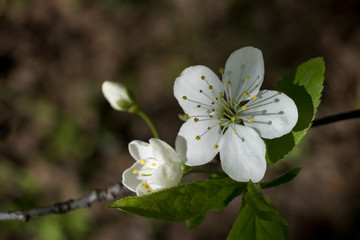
column 66, row 140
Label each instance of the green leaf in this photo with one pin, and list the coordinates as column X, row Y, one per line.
column 304, row 86
column 182, row 202
column 194, row 222
column 258, row 219
column 284, row 178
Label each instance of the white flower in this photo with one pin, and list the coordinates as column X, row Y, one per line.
column 157, row 167
column 231, row 116
column 119, row 97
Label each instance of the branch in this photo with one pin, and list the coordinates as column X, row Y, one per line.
column 336, row 118
column 109, row 193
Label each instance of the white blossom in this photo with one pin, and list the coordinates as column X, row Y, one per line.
column 231, row 116
column 157, row 167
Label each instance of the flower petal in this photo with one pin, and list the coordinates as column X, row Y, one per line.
column 140, row 150
column 195, row 152
column 274, row 114
column 167, row 175
column 163, row 152
column 245, row 70
column 196, row 88
column 242, row 154
column 132, row 176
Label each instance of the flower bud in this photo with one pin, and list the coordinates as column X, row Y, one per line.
column 119, row 96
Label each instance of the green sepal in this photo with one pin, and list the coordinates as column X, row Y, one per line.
column 304, row 86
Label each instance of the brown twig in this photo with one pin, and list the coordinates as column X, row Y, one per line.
column 109, row 193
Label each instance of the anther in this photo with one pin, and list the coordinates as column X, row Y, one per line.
column 134, row 171
column 184, row 97
column 197, row 138
column 221, row 70
column 210, row 87
column 219, row 118
column 209, row 128
column 202, row 77
column 254, row 97
column 213, row 110
column 219, row 124
column 229, row 82
column 142, row 161
column 243, row 108
column 235, row 102
column 212, row 103
column 250, row 120
column 153, row 164
column 198, row 106
column 201, row 91
column 245, row 94
column 216, row 146
column 247, row 78
column 196, row 119
column 234, row 131
column 233, row 119
column 186, row 116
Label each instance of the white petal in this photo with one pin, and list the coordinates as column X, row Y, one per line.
column 140, row 150
column 243, row 154
column 163, row 152
column 243, row 63
column 195, row 152
column 167, row 175
column 131, row 177
column 274, row 114
column 189, row 84
column 114, row 92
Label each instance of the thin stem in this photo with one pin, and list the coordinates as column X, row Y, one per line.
column 198, row 170
column 109, row 193
column 336, row 118
column 149, row 122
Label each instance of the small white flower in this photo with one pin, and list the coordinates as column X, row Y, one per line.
column 231, row 116
column 119, row 97
column 157, row 167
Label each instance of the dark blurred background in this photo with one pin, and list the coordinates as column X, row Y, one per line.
column 66, row 140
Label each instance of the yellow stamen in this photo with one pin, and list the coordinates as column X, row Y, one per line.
column 254, row 97
column 147, row 168
column 196, row 119
column 148, row 191
column 234, row 102
column 212, row 103
column 144, row 184
column 184, row 97
column 186, row 116
column 247, row 78
column 219, row 124
column 245, row 94
column 229, row 82
column 197, row 138
column 219, row 118
column 202, row 77
column 244, row 108
column 152, row 147
column 210, row 87
column 142, row 161
column 153, row 164
column 134, row 171
column 233, row 119
column 216, row 146
column 209, row 128
column 234, row 131
column 221, row 70
column 251, row 120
